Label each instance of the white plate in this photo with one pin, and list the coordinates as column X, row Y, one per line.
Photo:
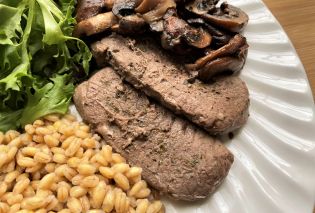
column 274, row 168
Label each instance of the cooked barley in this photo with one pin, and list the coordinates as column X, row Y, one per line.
column 62, row 193
column 107, row 172
column 86, row 169
column 74, row 162
column 76, row 180
column 90, row 181
column 155, row 207
column 58, row 166
column 59, row 158
column 21, row 185
column 77, row 191
column 85, row 203
column 14, row 198
column 142, row 206
column 51, row 140
column 30, row 151
column 120, row 168
column 73, row 147
column 98, row 195
column 143, row 193
column 42, row 157
column 109, row 201
column 122, row 181
column 47, row 181
column 137, row 187
column 14, row 208
column 3, row 188
column 74, row 205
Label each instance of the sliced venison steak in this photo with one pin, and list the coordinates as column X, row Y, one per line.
column 177, row 158
column 218, row 107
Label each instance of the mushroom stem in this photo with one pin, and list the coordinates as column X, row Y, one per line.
column 96, row 24
column 131, row 24
column 109, row 4
column 146, row 6
column 159, row 10
column 233, row 46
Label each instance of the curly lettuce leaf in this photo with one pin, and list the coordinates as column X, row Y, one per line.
column 10, row 23
column 9, row 119
column 38, row 59
column 54, row 97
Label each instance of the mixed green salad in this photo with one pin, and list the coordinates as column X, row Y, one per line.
column 39, row 59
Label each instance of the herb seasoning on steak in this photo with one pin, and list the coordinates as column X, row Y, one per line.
column 177, row 158
column 219, row 107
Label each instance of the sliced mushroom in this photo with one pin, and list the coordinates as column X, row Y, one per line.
column 177, row 30
column 197, row 37
column 220, row 37
column 175, row 45
column 131, row 24
column 109, row 4
column 96, row 24
column 157, row 26
column 228, row 17
column 201, row 6
column 146, row 6
column 232, row 47
column 87, row 9
column 123, row 8
column 159, row 10
column 115, row 28
column 174, row 29
column 220, row 65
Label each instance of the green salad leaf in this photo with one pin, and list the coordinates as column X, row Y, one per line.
column 39, row 59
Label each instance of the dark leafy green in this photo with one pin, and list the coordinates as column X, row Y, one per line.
column 38, row 59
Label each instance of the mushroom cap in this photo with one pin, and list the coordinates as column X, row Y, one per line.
column 220, row 37
column 230, row 58
column 123, row 8
column 131, row 24
column 158, row 11
column 177, row 32
column 191, row 28
column 234, row 45
column 220, row 65
column 201, row 6
column 228, row 17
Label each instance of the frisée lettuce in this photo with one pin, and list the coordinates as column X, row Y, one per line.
column 39, row 59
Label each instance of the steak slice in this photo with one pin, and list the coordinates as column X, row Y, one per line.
column 218, row 107
column 177, row 158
